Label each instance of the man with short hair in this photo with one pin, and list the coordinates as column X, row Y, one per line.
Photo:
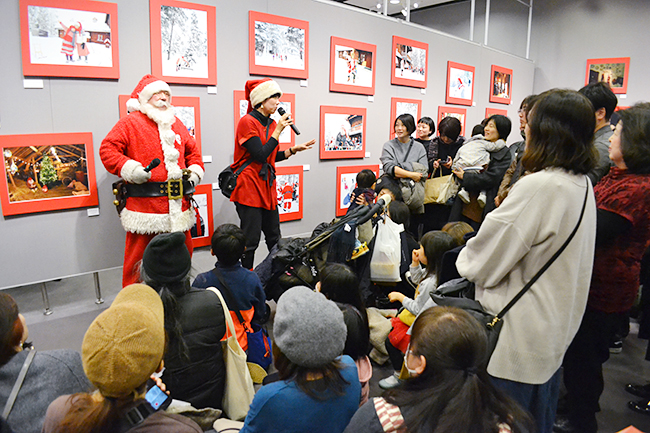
column 604, row 102
column 157, row 198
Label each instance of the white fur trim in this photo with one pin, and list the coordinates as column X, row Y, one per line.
column 129, row 174
column 149, row 223
column 153, row 88
column 196, row 169
column 263, row 91
column 132, row 105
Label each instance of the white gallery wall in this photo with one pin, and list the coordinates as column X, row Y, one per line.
column 44, row 246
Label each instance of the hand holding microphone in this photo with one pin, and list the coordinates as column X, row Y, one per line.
column 294, row 127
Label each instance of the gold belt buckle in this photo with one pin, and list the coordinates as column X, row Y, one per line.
column 175, row 189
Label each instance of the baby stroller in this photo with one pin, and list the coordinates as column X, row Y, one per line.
column 297, row 261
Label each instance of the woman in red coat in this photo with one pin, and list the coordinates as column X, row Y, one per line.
column 256, row 144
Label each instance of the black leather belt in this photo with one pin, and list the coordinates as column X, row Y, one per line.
column 173, row 189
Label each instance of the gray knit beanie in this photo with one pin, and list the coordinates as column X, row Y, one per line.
column 308, row 328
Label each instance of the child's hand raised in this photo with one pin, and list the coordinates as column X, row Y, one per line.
column 415, row 258
column 396, row 297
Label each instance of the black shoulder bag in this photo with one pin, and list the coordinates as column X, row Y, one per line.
column 460, row 293
column 228, row 178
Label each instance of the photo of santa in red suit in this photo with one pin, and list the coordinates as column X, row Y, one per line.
column 157, row 200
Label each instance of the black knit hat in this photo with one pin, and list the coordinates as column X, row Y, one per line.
column 166, row 258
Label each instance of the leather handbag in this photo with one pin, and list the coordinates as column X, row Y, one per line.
column 227, row 179
column 439, row 189
column 239, row 391
column 460, row 293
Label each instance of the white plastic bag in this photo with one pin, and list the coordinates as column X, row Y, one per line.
column 385, row 262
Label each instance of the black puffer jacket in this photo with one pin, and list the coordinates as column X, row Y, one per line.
column 199, row 380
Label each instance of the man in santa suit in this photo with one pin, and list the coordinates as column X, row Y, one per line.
column 157, row 200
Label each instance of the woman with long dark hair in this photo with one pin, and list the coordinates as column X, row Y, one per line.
column 449, row 390
column 520, row 236
column 194, row 322
column 339, row 284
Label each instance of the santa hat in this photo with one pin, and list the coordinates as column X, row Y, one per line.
column 146, row 88
column 258, row 91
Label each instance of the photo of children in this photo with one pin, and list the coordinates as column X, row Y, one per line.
column 352, row 67
column 410, row 62
column 69, row 37
column 343, row 132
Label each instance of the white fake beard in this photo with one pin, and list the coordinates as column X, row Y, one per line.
column 164, row 118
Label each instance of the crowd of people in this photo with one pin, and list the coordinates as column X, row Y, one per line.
column 574, row 194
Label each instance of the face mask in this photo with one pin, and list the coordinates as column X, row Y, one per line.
column 406, row 363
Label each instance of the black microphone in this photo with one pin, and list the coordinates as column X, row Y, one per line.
column 382, row 202
column 153, row 164
column 294, row 127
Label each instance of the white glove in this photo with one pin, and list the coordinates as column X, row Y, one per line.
column 133, row 172
column 194, row 179
column 196, row 174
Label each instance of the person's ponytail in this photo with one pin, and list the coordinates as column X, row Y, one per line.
column 90, row 414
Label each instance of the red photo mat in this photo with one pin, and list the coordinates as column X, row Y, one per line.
column 344, row 72
column 181, row 60
column 177, row 101
column 339, row 127
column 500, row 85
column 492, row 111
column 24, row 159
column 101, row 39
column 460, row 113
column 290, row 188
column 256, row 66
column 450, row 95
column 239, row 97
column 400, row 79
column 394, row 113
column 343, row 189
column 208, row 224
column 613, row 81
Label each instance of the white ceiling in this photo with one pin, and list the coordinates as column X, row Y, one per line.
column 392, row 8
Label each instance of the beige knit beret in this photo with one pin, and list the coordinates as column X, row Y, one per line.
column 125, row 343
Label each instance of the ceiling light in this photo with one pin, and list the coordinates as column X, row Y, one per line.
column 394, row 2
column 378, row 5
column 415, row 5
column 404, row 12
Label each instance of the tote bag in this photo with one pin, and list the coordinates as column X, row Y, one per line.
column 386, row 255
column 439, row 189
column 239, row 391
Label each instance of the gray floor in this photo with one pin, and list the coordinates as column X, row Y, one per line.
column 73, row 305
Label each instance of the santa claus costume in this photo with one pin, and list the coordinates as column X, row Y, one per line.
column 157, row 201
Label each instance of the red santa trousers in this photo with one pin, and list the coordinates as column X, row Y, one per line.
column 133, row 252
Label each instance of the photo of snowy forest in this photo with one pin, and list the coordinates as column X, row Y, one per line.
column 186, row 114
column 410, row 62
column 279, row 46
column 69, row 37
column 184, row 42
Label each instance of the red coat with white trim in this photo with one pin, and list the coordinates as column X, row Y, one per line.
column 136, row 137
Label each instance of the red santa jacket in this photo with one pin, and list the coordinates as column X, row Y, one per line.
column 136, row 137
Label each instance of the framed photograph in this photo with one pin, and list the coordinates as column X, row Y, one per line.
column 410, row 63
column 45, row 172
column 288, row 102
column 69, row 38
column 492, row 111
column 501, row 85
column 342, row 132
column 278, row 46
column 202, row 231
column 458, row 113
column 460, row 84
column 346, row 181
column 352, row 66
column 289, row 184
column 399, row 106
column 183, row 42
column 186, row 108
column 612, row 71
